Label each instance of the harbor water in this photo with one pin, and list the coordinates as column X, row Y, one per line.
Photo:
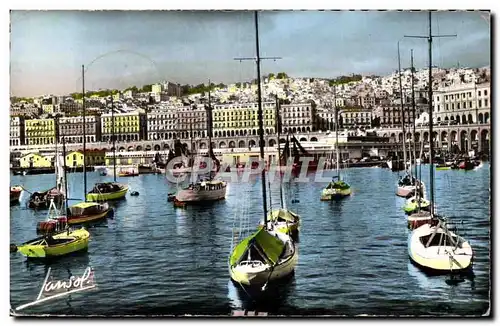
column 154, row 259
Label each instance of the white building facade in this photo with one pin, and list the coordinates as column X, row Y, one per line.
column 462, row 103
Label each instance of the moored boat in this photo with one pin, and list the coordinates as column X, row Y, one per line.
column 56, row 245
column 107, row 191
column 436, row 249
column 41, row 200
column 15, row 194
column 202, row 191
column 415, row 203
column 418, row 219
column 336, row 189
column 283, row 220
column 266, row 255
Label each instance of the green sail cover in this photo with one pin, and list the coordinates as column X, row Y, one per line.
column 270, row 245
column 338, row 185
column 282, row 214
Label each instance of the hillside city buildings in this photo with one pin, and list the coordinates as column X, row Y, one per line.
column 461, row 96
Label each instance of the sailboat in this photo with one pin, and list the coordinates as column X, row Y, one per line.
column 432, row 246
column 406, row 184
column 337, row 188
column 209, row 189
column 267, row 255
column 58, row 240
column 86, row 212
column 282, row 219
column 43, row 199
column 105, row 191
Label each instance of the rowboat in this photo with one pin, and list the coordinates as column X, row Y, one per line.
column 283, row 220
column 56, row 245
column 15, row 194
column 107, row 191
column 88, row 212
column 436, row 249
column 264, row 256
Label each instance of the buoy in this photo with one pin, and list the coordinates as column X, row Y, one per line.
column 13, row 247
column 134, row 193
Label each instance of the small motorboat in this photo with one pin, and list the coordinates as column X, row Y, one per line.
column 134, row 193
column 56, row 245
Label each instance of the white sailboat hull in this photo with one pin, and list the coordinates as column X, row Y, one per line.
column 193, row 195
column 438, row 258
column 259, row 275
column 405, row 191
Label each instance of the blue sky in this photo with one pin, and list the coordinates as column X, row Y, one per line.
column 135, row 48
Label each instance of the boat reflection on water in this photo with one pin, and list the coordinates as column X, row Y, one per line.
column 271, row 300
column 432, row 281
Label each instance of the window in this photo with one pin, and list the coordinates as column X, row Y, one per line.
column 480, row 102
column 479, row 93
column 470, row 104
column 458, row 106
column 486, row 102
column 447, row 108
column 485, row 94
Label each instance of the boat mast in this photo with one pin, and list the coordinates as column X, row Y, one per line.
column 210, row 127
column 191, row 137
column 278, row 130
column 84, row 136
column 337, row 165
column 259, row 114
column 402, row 109
column 431, row 140
column 113, row 137
column 414, row 112
column 65, row 180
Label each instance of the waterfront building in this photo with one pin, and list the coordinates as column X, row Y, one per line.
column 297, row 117
column 40, row 131
column 17, row 131
column 34, row 160
column 463, row 103
column 74, row 159
column 162, row 124
column 355, row 117
column 240, row 119
column 129, row 126
column 133, row 157
column 71, row 129
column 191, row 123
column 325, row 119
column 390, row 115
